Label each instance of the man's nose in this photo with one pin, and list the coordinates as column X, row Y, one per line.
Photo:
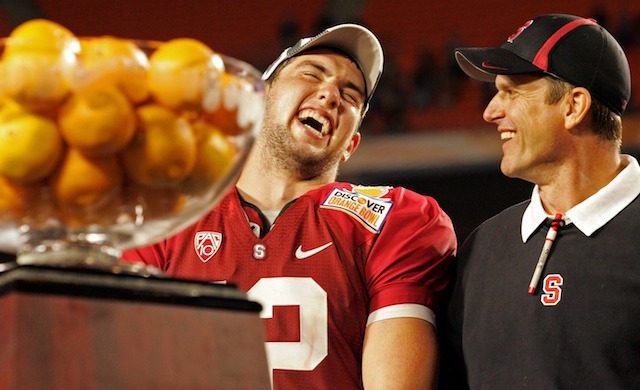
column 493, row 111
column 329, row 95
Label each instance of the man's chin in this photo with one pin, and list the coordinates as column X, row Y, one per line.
column 507, row 170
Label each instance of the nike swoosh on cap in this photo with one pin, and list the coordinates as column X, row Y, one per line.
column 487, row 65
column 302, row 254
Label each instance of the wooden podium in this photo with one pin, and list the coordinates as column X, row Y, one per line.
column 83, row 329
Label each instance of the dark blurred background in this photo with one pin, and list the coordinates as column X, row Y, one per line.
column 425, row 128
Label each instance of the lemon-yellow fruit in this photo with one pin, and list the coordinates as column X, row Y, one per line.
column 39, row 81
column 97, row 122
column 181, row 71
column 30, row 147
column 215, row 156
column 38, row 62
column 113, row 62
column 41, row 36
column 15, row 199
column 9, row 110
column 84, row 181
column 163, row 150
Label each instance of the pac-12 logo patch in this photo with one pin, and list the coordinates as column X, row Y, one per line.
column 370, row 211
column 207, row 244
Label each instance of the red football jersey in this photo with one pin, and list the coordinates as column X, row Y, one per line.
column 333, row 257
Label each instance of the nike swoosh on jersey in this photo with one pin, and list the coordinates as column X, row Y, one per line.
column 301, row 254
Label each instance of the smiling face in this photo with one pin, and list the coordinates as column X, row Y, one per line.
column 532, row 130
column 314, row 106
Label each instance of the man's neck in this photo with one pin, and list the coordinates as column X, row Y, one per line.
column 574, row 183
column 271, row 188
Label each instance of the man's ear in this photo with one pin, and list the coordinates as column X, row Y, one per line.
column 353, row 145
column 579, row 103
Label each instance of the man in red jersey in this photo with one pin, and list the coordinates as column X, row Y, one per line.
column 349, row 277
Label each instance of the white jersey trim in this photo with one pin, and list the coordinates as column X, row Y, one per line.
column 412, row 310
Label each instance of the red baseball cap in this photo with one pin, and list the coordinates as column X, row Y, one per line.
column 574, row 49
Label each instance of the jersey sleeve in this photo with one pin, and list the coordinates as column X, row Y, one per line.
column 410, row 261
column 152, row 255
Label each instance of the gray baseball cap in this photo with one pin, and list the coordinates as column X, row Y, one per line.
column 356, row 41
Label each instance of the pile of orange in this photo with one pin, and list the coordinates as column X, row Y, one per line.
column 91, row 126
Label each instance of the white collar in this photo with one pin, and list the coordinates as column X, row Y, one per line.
column 595, row 211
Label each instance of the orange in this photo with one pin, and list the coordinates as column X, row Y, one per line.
column 37, row 80
column 215, row 156
column 234, row 92
column 41, row 35
column 9, row 110
column 83, row 181
column 163, row 151
column 38, row 62
column 30, row 146
column 181, row 71
column 15, row 199
column 113, row 62
column 97, row 122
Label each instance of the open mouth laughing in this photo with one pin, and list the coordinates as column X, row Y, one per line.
column 315, row 121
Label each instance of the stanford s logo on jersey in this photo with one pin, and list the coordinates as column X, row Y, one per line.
column 206, row 244
column 552, row 287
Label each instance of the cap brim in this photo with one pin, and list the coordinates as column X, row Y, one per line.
column 484, row 63
column 361, row 45
column 356, row 41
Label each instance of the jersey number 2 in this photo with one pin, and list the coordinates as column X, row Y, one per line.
column 306, row 354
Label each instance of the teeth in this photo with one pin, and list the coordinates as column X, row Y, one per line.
column 507, row 134
column 325, row 126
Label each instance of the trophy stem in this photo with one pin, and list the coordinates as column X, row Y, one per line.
column 89, row 248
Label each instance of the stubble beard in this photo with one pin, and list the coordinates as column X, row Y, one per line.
column 279, row 151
